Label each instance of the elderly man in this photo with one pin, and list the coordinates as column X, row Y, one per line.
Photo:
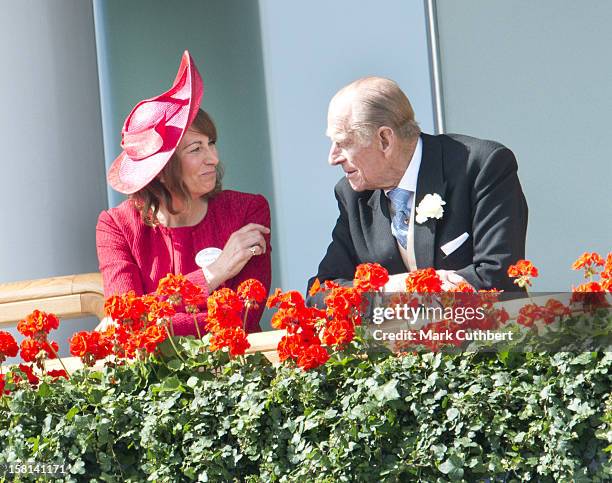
column 410, row 200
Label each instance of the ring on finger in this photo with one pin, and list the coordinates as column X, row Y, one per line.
column 253, row 250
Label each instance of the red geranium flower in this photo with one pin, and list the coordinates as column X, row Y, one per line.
column 338, row 333
column 315, row 288
column 292, row 298
column 425, row 280
column 588, row 287
column 126, row 308
column 159, row 309
column 330, row 285
column 463, row 287
column 591, row 295
column 31, row 348
column 57, row 373
column 607, row 270
column 8, row 346
column 312, row 356
column 370, row 277
column 233, row 338
column 37, row 324
column 224, row 309
column 344, row 303
column 2, row 386
column 522, row 268
column 117, row 307
column 152, row 337
column 286, row 319
column 252, row 290
column 531, row 313
column 90, row 346
column 523, row 271
column 290, row 346
column 28, row 370
column 588, row 259
column 557, row 309
column 179, row 290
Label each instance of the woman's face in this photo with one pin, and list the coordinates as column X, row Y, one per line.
column 198, row 157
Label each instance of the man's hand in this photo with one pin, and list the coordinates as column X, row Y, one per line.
column 450, row 279
column 396, row 283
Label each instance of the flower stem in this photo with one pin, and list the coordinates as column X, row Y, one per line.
column 171, row 337
column 59, row 359
column 195, row 321
column 246, row 313
column 155, row 370
column 141, row 367
column 530, row 297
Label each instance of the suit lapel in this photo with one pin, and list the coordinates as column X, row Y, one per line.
column 430, row 181
column 381, row 243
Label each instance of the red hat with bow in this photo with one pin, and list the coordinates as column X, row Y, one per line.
column 154, row 128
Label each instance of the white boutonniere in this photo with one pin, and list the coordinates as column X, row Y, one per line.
column 430, row 207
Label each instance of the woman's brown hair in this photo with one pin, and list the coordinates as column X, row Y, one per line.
column 148, row 200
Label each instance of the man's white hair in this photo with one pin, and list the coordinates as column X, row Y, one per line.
column 377, row 102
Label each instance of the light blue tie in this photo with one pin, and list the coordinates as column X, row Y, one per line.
column 400, row 200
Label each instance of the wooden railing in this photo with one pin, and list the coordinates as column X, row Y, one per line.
column 67, row 297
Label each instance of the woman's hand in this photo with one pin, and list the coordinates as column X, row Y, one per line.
column 242, row 245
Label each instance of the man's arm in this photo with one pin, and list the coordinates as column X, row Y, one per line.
column 499, row 222
column 340, row 261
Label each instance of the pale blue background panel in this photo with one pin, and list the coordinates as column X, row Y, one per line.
column 536, row 76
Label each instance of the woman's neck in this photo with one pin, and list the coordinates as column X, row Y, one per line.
column 189, row 214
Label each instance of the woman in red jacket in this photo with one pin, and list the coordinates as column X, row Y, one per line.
column 177, row 218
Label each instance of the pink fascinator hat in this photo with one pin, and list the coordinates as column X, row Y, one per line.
column 153, row 129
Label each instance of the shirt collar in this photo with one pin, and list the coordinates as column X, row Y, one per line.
column 409, row 180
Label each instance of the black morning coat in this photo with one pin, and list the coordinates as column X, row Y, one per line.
column 477, row 179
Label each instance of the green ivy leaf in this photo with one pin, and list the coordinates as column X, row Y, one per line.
column 175, row 364
column 171, row 384
column 72, row 413
column 387, row 392
column 453, row 467
column 452, row 413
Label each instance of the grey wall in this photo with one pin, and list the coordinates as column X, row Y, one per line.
column 53, row 176
column 536, row 76
column 312, row 49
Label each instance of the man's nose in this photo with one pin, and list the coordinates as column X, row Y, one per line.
column 334, row 155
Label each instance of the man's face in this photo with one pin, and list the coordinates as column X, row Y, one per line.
column 362, row 163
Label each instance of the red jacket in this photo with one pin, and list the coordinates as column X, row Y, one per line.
column 134, row 256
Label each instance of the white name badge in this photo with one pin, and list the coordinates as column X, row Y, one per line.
column 206, row 256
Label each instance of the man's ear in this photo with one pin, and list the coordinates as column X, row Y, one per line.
column 386, row 138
